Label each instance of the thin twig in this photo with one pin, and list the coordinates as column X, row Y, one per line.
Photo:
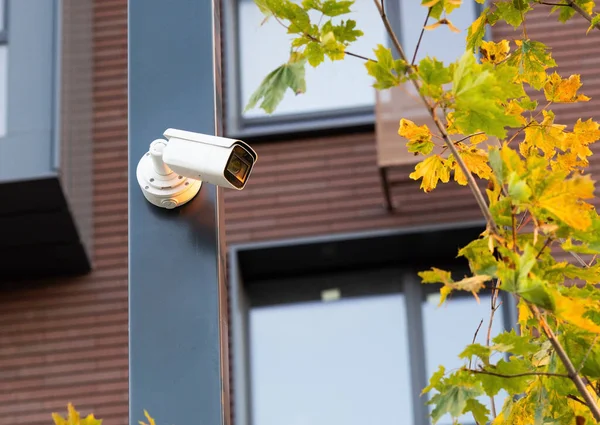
column 572, row 372
column 518, row 375
column 470, row 179
column 360, row 56
column 488, row 338
column 474, row 338
column 548, row 240
column 577, row 399
column 414, row 58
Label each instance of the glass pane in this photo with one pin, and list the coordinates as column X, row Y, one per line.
column 323, row 363
column 440, row 43
column 450, row 328
column 2, row 14
column 3, row 88
column 332, row 86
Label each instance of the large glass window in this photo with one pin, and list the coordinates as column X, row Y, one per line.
column 323, row 363
column 3, row 66
column 340, row 348
column 335, row 90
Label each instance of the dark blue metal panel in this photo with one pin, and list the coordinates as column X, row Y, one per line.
column 176, row 292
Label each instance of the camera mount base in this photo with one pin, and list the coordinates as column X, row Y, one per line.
column 160, row 185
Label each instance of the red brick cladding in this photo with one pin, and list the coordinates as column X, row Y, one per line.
column 66, row 340
column 331, row 185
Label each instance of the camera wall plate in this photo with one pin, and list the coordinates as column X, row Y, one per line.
column 161, row 186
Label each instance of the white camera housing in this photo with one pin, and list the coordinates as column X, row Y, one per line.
column 171, row 173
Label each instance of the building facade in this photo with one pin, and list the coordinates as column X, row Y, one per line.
column 328, row 321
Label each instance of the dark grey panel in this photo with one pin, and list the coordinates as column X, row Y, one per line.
column 408, row 248
column 177, row 367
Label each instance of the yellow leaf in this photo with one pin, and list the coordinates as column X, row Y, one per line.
column 524, row 312
column 59, row 420
column 476, row 161
column 479, row 138
column 513, row 108
column 419, row 137
column 563, row 198
column 571, row 310
column 494, row 52
column 564, row 91
column 545, row 136
column 584, row 134
column 431, row 170
column 442, row 21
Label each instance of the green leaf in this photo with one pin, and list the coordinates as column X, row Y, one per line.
column 335, row 7
column 511, row 14
column 346, row 31
column 518, row 189
column 510, row 342
column 595, row 21
column 314, row 53
column 435, row 380
column 476, row 31
column 387, row 71
column 481, row 259
column 273, row 87
column 453, row 401
column 435, row 276
column 532, row 58
column 481, row 351
column 492, row 384
column 433, row 74
column 479, row 92
column 480, row 412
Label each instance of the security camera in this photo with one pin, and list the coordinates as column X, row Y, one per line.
column 172, row 171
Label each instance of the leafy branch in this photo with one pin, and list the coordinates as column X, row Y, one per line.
column 516, row 375
column 441, row 128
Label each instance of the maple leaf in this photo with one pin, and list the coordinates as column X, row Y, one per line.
column 545, row 136
column 273, row 87
column 431, row 170
column 442, row 21
column 73, row 418
column 419, row 138
column 387, row 71
column 480, row 90
column 572, row 309
column 149, row 418
column 561, row 90
column 562, row 198
column 476, row 161
column 584, row 134
column 494, row 52
column 476, row 31
column 532, row 59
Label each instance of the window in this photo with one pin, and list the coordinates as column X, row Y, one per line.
column 3, row 66
column 348, row 348
column 338, row 93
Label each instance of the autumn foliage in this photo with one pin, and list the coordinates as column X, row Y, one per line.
column 538, row 203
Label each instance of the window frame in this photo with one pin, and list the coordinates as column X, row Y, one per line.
column 238, row 126
column 4, row 31
column 414, row 294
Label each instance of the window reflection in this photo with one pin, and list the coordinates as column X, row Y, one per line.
column 322, row 363
column 450, row 328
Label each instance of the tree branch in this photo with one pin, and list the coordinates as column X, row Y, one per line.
column 517, row 375
column 582, row 12
column 572, row 372
column 442, row 129
column 414, row 58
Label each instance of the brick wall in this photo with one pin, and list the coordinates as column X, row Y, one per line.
column 66, row 340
